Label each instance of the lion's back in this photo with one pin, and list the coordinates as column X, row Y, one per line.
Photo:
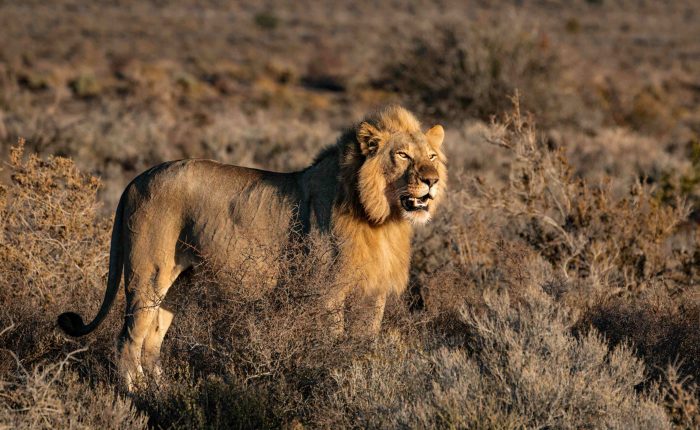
column 217, row 208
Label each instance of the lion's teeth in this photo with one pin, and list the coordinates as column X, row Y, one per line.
column 417, row 202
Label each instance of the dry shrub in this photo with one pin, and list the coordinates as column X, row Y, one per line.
column 582, row 229
column 619, row 257
column 663, row 328
column 453, row 72
column 53, row 253
column 681, row 398
column 51, row 395
column 647, row 106
column 53, row 256
column 526, row 371
column 371, row 390
column 210, row 401
column 529, row 371
column 49, row 221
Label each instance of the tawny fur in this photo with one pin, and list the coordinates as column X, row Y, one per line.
column 175, row 214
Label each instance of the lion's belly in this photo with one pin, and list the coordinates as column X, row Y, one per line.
column 246, row 236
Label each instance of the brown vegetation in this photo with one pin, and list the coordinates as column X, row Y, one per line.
column 557, row 286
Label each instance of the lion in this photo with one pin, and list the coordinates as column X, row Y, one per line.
column 381, row 178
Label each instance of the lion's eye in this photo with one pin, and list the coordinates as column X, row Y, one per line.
column 433, row 157
column 402, row 155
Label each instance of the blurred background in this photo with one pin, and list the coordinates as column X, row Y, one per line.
column 120, row 86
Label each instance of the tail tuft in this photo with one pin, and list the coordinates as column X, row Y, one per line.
column 72, row 324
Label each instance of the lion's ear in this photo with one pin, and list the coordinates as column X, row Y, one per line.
column 435, row 136
column 369, row 138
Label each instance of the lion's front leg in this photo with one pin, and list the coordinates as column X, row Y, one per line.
column 371, row 315
column 335, row 312
column 366, row 314
column 377, row 314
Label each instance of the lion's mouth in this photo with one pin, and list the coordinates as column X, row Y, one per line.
column 411, row 204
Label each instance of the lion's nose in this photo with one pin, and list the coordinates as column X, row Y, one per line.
column 428, row 175
column 430, row 180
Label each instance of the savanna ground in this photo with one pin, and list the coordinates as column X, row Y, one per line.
column 557, row 288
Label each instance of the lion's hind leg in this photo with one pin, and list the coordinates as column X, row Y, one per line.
column 146, row 286
column 153, row 341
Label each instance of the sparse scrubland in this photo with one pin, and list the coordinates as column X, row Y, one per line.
column 556, row 288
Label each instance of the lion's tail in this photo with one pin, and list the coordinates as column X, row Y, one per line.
column 72, row 323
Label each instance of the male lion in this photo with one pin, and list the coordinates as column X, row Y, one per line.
column 367, row 191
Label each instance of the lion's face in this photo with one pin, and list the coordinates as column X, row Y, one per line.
column 404, row 173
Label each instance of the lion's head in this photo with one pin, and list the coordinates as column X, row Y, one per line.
column 397, row 170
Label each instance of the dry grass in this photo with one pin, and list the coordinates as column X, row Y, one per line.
column 51, row 396
column 557, row 287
